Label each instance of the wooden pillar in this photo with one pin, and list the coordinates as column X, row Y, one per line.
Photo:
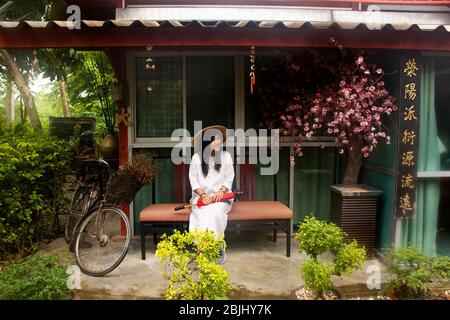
column 123, row 156
column 117, row 58
column 120, row 4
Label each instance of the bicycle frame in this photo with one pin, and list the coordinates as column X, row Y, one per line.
column 100, row 219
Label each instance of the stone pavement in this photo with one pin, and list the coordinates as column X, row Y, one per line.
column 257, row 267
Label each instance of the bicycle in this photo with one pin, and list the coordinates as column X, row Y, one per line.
column 101, row 237
column 84, row 197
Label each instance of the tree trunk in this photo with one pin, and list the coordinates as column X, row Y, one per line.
column 64, row 99
column 23, row 88
column 10, row 102
column 354, row 160
column 23, row 114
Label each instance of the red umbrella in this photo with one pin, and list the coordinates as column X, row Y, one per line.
column 227, row 196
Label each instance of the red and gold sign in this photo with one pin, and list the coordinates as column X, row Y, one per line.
column 408, row 124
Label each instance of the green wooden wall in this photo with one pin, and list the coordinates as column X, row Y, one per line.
column 380, row 167
column 164, row 185
column 313, row 175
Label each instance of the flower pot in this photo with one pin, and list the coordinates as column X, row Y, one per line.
column 390, row 294
column 110, row 147
column 354, row 210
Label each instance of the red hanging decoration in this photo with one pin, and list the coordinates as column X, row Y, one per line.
column 252, row 69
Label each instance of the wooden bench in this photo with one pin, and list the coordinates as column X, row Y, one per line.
column 245, row 214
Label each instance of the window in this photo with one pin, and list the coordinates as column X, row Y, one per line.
column 442, row 110
column 159, row 97
column 210, row 91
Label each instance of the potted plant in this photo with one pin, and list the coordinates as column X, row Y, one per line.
column 102, row 80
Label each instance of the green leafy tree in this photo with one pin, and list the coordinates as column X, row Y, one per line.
column 57, row 64
column 89, row 76
column 22, row 64
column 101, row 77
column 189, row 263
column 19, row 64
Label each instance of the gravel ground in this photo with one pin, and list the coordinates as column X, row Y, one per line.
column 305, row 294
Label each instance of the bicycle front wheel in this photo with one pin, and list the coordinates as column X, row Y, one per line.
column 102, row 240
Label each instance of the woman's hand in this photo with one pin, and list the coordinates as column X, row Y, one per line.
column 206, row 199
column 218, row 196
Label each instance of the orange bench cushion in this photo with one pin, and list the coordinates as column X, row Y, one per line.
column 164, row 212
column 241, row 211
column 259, row 210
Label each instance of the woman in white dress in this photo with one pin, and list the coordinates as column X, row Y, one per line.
column 211, row 175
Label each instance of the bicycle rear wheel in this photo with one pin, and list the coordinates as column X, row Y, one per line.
column 102, row 240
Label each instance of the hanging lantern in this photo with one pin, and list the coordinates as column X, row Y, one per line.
column 149, row 65
column 252, row 69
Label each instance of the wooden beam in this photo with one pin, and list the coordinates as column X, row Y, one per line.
column 200, row 36
column 95, row 3
column 283, row 2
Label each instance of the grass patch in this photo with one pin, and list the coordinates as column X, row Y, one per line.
column 35, row 278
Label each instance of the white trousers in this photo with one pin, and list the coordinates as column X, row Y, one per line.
column 212, row 217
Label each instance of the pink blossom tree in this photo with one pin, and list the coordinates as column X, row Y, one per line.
column 347, row 101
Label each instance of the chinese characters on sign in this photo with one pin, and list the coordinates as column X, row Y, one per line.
column 409, row 105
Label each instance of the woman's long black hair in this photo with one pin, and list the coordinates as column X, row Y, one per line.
column 205, row 166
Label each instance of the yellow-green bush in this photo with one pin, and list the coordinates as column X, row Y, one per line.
column 317, row 276
column 316, row 237
column 32, row 171
column 189, row 263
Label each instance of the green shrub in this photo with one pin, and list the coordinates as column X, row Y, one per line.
column 412, row 284
column 316, row 237
column 34, row 278
column 32, row 171
column 189, row 263
column 317, row 276
column 349, row 258
column 440, row 267
column 413, row 272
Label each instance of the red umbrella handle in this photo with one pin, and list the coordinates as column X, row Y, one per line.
column 227, row 196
